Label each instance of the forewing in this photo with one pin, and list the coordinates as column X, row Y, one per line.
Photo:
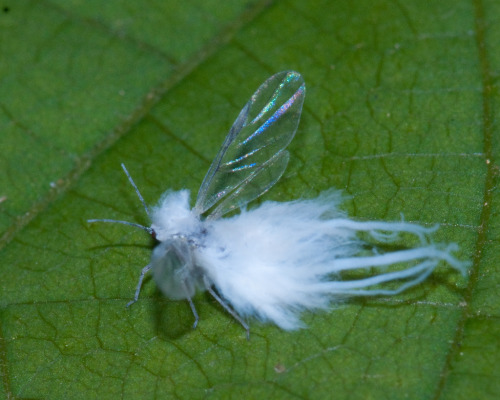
column 252, row 157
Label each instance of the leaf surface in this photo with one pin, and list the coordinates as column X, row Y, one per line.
column 400, row 113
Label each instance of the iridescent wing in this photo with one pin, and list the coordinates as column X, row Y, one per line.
column 253, row 156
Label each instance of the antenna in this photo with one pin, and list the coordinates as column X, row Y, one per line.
column 136, row 190
column 146, row 228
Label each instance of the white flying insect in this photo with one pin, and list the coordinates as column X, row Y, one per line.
column 278, row 259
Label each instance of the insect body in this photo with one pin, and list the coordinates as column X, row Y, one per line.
column 276, row 260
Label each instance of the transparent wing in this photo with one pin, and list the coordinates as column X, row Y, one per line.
column 252, row 157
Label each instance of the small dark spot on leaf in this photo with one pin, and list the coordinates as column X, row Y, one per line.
column 279, row 368
column 5, row 9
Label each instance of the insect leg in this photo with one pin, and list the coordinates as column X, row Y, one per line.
column 139, row 284
column 208, row 285
column 191, row 304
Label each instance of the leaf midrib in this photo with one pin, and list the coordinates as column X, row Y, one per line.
column 487, row 117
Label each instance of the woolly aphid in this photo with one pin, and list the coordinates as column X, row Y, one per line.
column 276, row 260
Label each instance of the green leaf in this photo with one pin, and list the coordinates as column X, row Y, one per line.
column 400, row 113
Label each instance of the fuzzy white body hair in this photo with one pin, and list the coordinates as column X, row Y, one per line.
column 278, row 259
column 173, row 216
